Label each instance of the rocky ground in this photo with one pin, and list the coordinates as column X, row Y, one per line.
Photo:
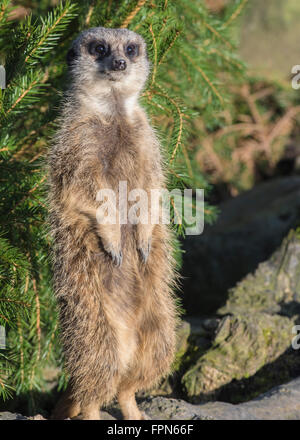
column 281, row 403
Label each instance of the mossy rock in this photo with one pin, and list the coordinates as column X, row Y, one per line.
column 183, row 334
column 274, row 287
column 256, row 329
column 243, row 344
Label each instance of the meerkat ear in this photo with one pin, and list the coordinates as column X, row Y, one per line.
column 71, row 56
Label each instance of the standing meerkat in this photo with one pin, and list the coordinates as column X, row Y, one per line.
column 113, row 282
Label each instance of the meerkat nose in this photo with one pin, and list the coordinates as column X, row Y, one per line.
column 119, row 65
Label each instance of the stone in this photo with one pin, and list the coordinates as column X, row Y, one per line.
column 251, row 351
column 242, row 345
column 280, row 403
column 249, row 229
column 6, row 415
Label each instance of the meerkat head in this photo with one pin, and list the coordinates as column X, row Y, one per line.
column 104, row 58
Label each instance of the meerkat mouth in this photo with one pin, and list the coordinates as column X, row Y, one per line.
column 112, row 75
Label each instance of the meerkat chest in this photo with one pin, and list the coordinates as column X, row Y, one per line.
column 122, row 154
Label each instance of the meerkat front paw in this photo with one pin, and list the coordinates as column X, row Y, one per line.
column 115, row 253
column 144, row 250
column 117, row 258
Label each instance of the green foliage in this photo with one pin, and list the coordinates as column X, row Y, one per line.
column 188, row 48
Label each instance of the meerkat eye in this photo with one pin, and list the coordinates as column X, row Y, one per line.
column 131, row 50
column 98, row 49
column 101, row 50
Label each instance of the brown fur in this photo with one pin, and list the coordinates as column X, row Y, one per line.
column 117, row 322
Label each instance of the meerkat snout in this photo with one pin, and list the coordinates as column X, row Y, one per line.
column 119, row 64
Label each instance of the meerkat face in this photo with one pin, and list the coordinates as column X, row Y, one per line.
column 109, row 58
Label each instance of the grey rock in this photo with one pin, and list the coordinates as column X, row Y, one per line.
column 249, row 229
column 243, row 344
column 275, row 285
column 11, row 416
column 281, row 403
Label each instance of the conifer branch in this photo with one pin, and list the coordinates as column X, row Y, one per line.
column 22, row 96
column 155, row 55
column 88, row 17
column 21, row 349
column 30, row 192
column 131, row 16
column 180, row 115
column 215, row 51
column 52, row 29
column 3, row 317
column 3, row 9
column 38, row 318
column 205, row 77
column 9, row 300
column 146, row 19
column 169, row 47
column 236, row 13
column 217, row 34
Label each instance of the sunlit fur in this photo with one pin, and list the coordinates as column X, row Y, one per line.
column 117, row 323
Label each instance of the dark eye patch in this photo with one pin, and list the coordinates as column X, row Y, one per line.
column 132, row 50
column 99, row 48
column 71, row 56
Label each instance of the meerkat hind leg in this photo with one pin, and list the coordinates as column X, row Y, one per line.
column 91, row 411
column 129, row 406
column 66, row 408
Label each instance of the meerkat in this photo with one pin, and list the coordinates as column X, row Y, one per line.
column 113, row 282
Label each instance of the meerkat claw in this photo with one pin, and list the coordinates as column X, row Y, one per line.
column 115, row 254
column 117, row 258
column 145, row 251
